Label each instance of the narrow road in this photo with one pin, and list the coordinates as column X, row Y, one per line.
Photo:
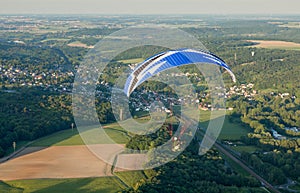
column 238, row 161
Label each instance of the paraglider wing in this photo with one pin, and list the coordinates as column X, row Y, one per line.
column 170, row 59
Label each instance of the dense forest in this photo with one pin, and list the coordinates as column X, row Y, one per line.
column 190, row 172
column 28, row 114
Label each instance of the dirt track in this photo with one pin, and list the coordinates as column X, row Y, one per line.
column 56, row 162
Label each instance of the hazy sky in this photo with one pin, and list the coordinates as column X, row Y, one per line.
column 150, row 6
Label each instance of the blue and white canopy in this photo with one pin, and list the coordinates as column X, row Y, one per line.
column 170, row 59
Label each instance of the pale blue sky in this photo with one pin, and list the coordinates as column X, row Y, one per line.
column 150, row 6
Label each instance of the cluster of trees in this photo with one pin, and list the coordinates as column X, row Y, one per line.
column 28, row 114
column 269, row 112
column 275, row 69
column 264, row 115
column 146, row 142
column 268, row 68
column 275, row 166
column 32, row 57
column 190, row 172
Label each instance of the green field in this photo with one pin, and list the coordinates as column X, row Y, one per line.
column 65, row 137
column 5, row 188
column 230, row 131
column 132, row 61
column 69, row 137
column 87, row 185
column 202, row 116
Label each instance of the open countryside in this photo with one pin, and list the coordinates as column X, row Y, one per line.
column 257, row 151
column 71, row 159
